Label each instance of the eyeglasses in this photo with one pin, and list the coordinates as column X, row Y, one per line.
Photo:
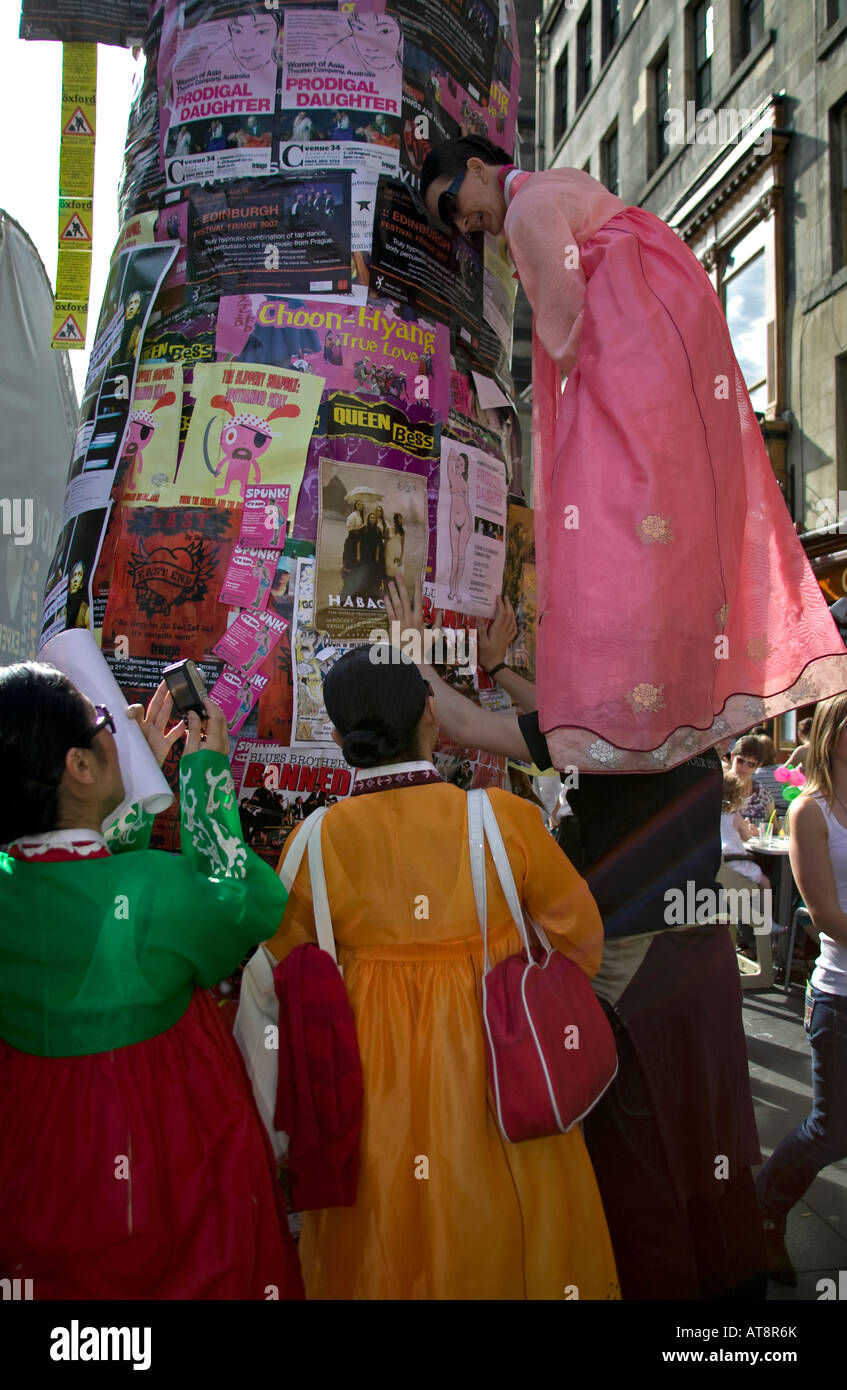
column 748, row 762
column 448, row 201
column 104, row 720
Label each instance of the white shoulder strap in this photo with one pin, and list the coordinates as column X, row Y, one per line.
column 309, row 837
column 320, row 900
column 503, row 867
column 476, row 846
column 291, row 863
column 482, row 825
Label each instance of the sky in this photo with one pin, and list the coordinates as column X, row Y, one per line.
column 30, row 83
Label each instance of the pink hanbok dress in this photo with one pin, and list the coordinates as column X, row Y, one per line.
column 676, row 604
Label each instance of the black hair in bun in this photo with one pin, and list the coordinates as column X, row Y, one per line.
column 375, row 707
column 366, row 748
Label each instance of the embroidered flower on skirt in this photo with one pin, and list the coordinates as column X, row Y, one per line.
column 653, row 530
column 646, row 697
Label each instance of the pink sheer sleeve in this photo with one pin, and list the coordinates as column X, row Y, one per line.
column 546, row 255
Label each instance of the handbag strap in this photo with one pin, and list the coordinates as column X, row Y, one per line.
column 482, row 826
column 290, row 865
column 309, row 837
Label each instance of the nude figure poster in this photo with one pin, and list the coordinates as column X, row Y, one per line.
column 472, row 514
column 372, row 529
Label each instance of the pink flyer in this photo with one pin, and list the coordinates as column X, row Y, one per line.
column 264, row 520
column 249, row 577
column 250, row 639
column 237, row 695
column 363, row 348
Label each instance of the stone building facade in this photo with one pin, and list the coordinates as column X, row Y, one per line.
column 729, row 120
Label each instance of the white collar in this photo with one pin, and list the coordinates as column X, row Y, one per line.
column 393, row 769
column 508, row 184
column 49, row 839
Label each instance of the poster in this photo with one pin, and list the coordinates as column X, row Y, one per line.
column 185, row 334
column 283, row 235
column 249, row 426
column 217, row 88
column 118, row 22
column 341, row 91
column 152, row 430
column 472, row 515
column 381, row 434
column 414, row 262
column 460, row 35
column 142, row 183
column 372, row 529
column 277, row 787
column 146, row 465
column 163, row 598
column 519, row 585
column 363, row 348
column 237, row 694
column 426, row 123
column 312, row 655
column 133, row 283
column 67, row 599
column 249, row 577
column 249, row 640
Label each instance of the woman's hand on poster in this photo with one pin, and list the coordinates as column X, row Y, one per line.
column 495, row 640
column 212, row 734
column 153, row 722
column 400, row 609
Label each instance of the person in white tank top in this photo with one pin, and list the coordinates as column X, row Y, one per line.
column 819, row 861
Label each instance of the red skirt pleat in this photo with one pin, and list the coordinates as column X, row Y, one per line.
column 142, row 1173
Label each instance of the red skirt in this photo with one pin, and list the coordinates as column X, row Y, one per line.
column 141, row 1173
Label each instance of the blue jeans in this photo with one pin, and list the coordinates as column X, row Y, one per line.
column 822, row 1137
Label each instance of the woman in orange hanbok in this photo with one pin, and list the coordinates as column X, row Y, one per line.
column 446, row 1208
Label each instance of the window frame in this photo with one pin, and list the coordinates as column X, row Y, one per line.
column 610, row 140
column 611, row 21
column 561, row 78
column 748, row 42
column 724, row 280
column 584, row 49
column 661, row 143
column 838, row 183
column 702, row 101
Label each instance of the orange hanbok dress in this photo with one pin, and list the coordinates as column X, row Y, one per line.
column 446, row 1208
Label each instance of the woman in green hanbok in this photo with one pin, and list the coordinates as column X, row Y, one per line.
column 132, row 1161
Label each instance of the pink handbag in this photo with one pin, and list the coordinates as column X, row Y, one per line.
column 550, row 1050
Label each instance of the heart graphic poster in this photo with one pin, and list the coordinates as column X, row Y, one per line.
column 163, row 602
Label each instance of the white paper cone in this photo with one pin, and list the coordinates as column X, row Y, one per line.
column 77, row 654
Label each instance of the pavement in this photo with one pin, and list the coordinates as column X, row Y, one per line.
column 781, row 1080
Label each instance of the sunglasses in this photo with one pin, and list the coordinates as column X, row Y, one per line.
column 448, row 201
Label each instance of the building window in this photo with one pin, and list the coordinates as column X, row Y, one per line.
column 583, row 57
column 661, row 75
column 838, row 183
column 752, row 24
column 744, row 296
column 835, row 10
column 704, row 47
column 561, row 96
column 609, row 161
column 611, row 25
